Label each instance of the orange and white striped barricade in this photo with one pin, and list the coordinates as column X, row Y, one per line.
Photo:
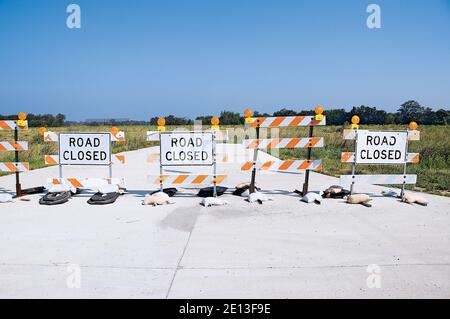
column 291, row 166
column 15, row 146
column 379, row 148
column 63, row 158
column 184, row 149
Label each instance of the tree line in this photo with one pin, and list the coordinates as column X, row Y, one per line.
column 407, row 112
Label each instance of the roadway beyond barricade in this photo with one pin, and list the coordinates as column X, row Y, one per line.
column 281, row 249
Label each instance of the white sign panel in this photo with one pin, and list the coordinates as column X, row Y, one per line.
column 381, row 147
column 84, row 148
column 186, row 148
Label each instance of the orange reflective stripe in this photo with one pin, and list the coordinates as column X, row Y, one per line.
column 304, row 165
column 247, row 166
column 313, row 141
column 4, row 126
column 415, row 159
column 286, row 164
column 75, row 182
column 346, row 156
column 293, row 142
column 11, row 167
column 297, row 120
column 266, row 165
column 199, row 179
column 277, row 121
column 180, row 179
column 219, row 179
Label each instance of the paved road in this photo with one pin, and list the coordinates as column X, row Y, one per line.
column 282, row 249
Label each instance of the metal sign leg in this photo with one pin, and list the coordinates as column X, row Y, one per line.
column 18, row 186
column 255, row 159
column 306, row 183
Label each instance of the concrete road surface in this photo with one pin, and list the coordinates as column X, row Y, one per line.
column 281, row 249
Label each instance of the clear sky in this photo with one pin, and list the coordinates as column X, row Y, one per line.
column 140, row 58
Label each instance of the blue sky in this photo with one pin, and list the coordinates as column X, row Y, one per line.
column 138, row 59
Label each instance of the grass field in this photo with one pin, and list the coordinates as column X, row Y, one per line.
column 433, row 169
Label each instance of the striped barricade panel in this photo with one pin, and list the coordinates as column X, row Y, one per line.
column 155, row 158
column 54, row 137
column 283, row 121
column 307, row 142
column 54, row 159
column 85, row 182
column 13, row 146
column 12, row 125
column 350, row 134
column 349, row 157
column 187, row 179
column 14, row 167
column 286, row 166
column 378, row 179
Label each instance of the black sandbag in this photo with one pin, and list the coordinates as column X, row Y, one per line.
column 171, row 191
column 103, row 199
column 55, row 198
column 209, row 191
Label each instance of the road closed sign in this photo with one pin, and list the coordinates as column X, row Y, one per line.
column 381, row 147
column 84, row 148
column 186, row 148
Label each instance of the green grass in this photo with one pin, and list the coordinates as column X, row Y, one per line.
column 433, row 169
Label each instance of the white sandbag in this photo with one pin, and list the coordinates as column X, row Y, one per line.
column 59, row 188
column 6, row 198
column 213, row 201
column 312, row 197
column 109, row 188
column 258, row 197
column 159, row 198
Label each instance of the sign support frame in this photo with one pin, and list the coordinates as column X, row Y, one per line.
column 255, row 159
column 16, row 156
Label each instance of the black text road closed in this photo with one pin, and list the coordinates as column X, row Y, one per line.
column 381, row 147
column 84, row 148
column 186, row 148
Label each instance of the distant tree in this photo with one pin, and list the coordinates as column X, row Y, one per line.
column 336, row 116
column 285, row 112
column 230, row 118
column 410, row 111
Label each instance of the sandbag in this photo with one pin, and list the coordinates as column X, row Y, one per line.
column 258, row 197
column 335, row 191
column 209, row 191
column 362, row 199
column 55, row 198
column 312, row 198
column 158, row 198
column 171, row 191
column 213, row 201
column 242, row 188
column 411, row 199
column 103, row 199
column 6, row 198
